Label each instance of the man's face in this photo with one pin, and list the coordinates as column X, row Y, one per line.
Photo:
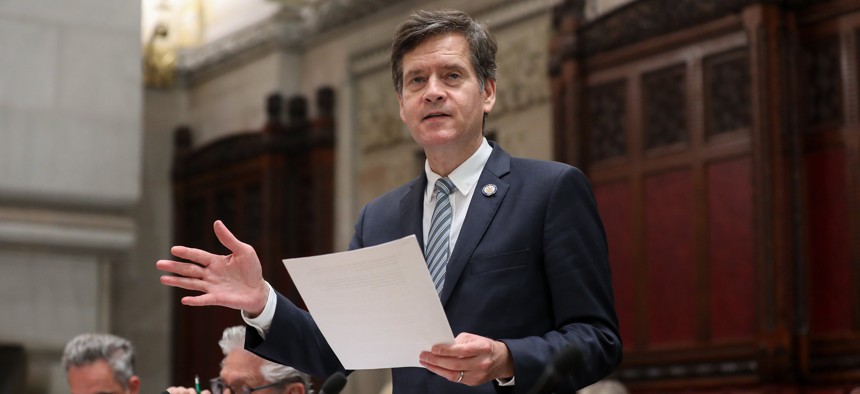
column 442, row 102
column 97, row 378
column 241, row 368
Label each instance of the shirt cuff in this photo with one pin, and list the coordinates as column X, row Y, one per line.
column 504, row 383
column 263, row 322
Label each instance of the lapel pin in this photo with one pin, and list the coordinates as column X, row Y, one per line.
column 489, row 189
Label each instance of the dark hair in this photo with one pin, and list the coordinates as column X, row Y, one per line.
column 425, row 24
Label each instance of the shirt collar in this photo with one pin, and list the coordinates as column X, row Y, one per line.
column 465, row 175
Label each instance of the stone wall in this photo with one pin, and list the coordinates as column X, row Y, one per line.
column 70, row 164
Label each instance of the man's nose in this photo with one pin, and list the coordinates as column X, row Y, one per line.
column 435, row 90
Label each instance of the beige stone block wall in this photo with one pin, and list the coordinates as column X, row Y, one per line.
column 234, row 100
column 70, row 166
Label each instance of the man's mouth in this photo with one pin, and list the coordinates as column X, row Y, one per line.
column 434, row 115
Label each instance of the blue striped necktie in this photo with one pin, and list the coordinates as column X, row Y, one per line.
column 436, row 252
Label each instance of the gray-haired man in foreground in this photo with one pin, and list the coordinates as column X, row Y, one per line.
column 100, row 364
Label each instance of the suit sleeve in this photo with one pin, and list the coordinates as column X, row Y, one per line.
column 576, row 269
column 294, row 338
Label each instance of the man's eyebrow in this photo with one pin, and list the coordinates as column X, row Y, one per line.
column 446, row 67
column 454, row 66
column 414, row 71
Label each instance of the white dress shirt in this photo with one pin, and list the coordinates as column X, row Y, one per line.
column 464, row 177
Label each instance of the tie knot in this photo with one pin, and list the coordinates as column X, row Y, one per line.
column 444, row 185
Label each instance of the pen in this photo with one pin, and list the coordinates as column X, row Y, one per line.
column 197, row 383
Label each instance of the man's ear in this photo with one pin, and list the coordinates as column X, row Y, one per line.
column 489, row 94
column 400, row 102
column 295, row 388
column 134, row 384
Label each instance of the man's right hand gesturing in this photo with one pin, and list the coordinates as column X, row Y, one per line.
column 233, row 281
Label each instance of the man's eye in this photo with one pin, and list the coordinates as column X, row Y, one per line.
column 417, row 79
column 454, row 76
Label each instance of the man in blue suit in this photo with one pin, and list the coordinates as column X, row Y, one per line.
column 516, row 247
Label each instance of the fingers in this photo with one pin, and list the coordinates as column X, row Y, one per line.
column 458, row 372
column 198, row 256
column 481, row 359
column 465, row 345
column 445, row 373
column 179, row 268
column 201, row 300
column 205, row 299
column 445, row 363
column 227, row 238
column 205, row 258
column 184, row 390
column 445, row 367
column 183, row 283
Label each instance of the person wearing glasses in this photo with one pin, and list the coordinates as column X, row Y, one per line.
column 243, row 372
column 100, row 364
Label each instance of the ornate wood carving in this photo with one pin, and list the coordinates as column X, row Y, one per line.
column 640, row 20
column 607, row 114
column 665, row 107
column 823, row 98
column 728, row 88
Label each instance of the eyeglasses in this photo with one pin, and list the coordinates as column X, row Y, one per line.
column 217, row 385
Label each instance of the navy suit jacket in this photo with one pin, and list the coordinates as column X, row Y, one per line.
column 529, row 268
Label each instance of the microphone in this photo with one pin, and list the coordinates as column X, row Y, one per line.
column 334, row 384
column 562, row 364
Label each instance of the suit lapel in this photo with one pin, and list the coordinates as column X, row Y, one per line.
column 412, row 210
column 482, row 209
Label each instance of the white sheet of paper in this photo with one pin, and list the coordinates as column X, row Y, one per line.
column 376, row 306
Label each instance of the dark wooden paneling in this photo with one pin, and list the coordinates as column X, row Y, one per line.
column 831, row 170
column 831, row 279
column 671, row 269
column 724, row 144
column 731, row 250
column 614, row 201
column 273, row 188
